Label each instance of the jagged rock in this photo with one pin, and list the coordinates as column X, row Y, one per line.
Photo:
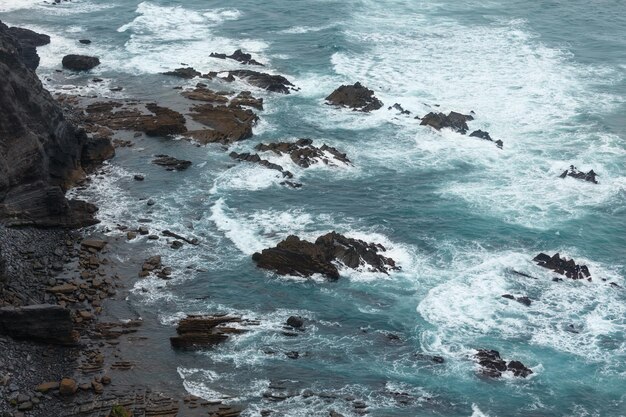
column 43, row 323
column 196, row 332
column 399, row 107
column 562, row 266
column 238, row 56
column 167, row 233
column 204, row 94
column 95, row 152
column 274, row 83
column 303, row 153
column 80, row 62
column 186, row 73
column 29, row 41
column 41, row 155
column 575, row 173
column 227, row 124
column 356, row 97
column 492, row 365
column 485, row 135
column 245, row 99
column 455, row 121
column 293, row 256
column 255, row 158
column 171, row 164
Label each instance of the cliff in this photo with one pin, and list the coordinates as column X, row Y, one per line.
column 41, row 152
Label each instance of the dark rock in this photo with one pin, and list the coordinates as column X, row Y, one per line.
column 524, row 300
column 492, row 365
column 170, row 163
column 202, row 93
column 238, row 56
column 293, row 355
column 245, row 99
column 28, row 42
column 485, row 135
column 80, row 62
column 399, row 107
column 455, row 121
column 196, row 332
column 575, row 173
column 509, row 296
column 296, row 322
column 274, row 83
column 153, row 121
column 95, row 152
column 227, row 124
column 303, row 153
column 85, row 41
column 293, row 256
column 167, row 233
column 255, row 158
column 562, row 266
column 138, row 177
column 186, row 73
column 356, row 97
column 42, row 323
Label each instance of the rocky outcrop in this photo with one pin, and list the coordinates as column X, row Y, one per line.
column 455, row 121
column 170, row 163
column 196, row 332
column 522, row 300
column 256, row 159
column 227, row 124
column 304, row 154
column 29, row 41
column 42, row 323
column 269, row 82
column 492, row 365
column 186, row 73
column 80, row 62
column 40, row 150
column 485, row 135
column 562, row 266
column 294, row 256
column 356, row 97
column 238, row 56
column 575, row 173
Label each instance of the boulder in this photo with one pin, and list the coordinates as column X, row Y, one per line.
column 575, row 173
column 42, row 323
column 455, row 121
column 562, row 266
column 492, row 365
column 294, row 256
column 80, row 62
column 356, row 97
column 186, row 73
column 171, row 164
column 68, row 387
column 196, row 332
column 295, row 322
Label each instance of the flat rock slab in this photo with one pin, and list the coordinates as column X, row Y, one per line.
column 43, row 323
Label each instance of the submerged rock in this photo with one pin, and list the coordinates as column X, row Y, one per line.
column 356, row 97
column 80, row 62
column 293, row 256
column 492, row 365
column 303, row 153
column 562, row 266
column 575, row 173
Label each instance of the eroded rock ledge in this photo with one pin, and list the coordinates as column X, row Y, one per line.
column 562, row 266
column 294, row 256
column 356, row 97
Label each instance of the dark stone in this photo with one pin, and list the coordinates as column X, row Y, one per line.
column 85, row 41
column 296, row 322
column 303, row 153
column 274, row 83
column 186, row 73
column 575, row 173
column 455, row 121
column 255, row 158
column 42, row 323
column 293, row 256
column 485, row 135
column 293, row 355
column 399, row 107
column 492, row 365
column 519, row 369
column 138, row 177
column 170, row 163
column 80, row 62
column 562, row 266
column 196, row 332
column 238, row 56
column 227, row 124
column 356, row 97
column 28, row 41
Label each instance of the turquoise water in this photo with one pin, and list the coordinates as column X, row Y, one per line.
column 458, row 214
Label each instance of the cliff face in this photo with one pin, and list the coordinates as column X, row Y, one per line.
column 40, row 151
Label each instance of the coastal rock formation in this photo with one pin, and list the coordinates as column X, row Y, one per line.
column 196, row 332
column 562, row 266
column 485, row 135
column 455, row 121
column 255, row 158
column 80, row 62
column 41, row 323
column 227, row 124
column 575, row 173
column 243, row 99
column 41, row 151
column 269, row 82
column 303, row 153
column 356, row 97
column 29, row 41
column 170, row 163
column 238, row 56
column 294, row 256
column 492, row 365
column 522, row 300
column 186, row 73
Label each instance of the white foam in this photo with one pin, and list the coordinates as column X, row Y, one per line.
column 477, row 413
column 63, row 8
column 296, row 30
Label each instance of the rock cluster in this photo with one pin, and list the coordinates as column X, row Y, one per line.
column 238, row 56
column 356, row 97
column 256, row 159
column 492, row 365
column 562, row 266
column 294, row 256
column 522, row 300
column 575, row 173
column 457, row 122
column 304, row 153
column 196, row 332
column 154, row 265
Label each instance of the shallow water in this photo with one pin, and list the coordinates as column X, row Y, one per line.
column 458, row 214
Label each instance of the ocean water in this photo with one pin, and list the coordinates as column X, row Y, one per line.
column 457, row 214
